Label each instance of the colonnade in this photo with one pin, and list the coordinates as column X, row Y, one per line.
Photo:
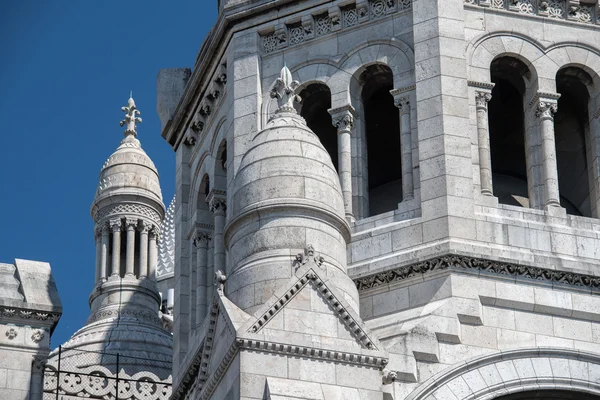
column 147, row 255
column 543, row 106
column 343, row 118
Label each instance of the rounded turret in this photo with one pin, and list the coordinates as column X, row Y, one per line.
column 286, row 198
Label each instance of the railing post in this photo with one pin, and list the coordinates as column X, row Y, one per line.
column 117, row 383
column 58, row 370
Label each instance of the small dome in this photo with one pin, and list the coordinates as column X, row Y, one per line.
column 286, row 164
column 129, row 171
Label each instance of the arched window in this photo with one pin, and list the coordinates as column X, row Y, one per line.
column 507, row 131
column 549, row 395
column 316, row 101
column 571, row 128
column 382, row 131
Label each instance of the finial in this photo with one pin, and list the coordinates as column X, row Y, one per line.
column 131, row 117
column 220, row 279
column 284, row 90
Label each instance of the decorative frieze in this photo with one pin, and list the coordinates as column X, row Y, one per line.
column 334, row 19
column 122, row 209
column 559, row 9
column 27, row 315
column 476, row 265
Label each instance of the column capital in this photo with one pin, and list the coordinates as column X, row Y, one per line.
column 403, row 104
column 153, row 232
column 131, row 223
column 201, row 239
column 145, row 226
column 482, row 97
column 115, row 224
column 216, row 201
column 343, row 117
column 39, row 362
column 545, row 104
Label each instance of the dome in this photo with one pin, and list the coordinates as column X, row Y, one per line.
column 287, row 165
column 129, row 170
column 286, row 199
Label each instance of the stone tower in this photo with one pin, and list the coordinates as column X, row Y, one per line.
column 125, row 302
column 441, row 171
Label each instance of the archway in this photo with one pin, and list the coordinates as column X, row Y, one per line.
column 316, row 100
column 571, row 126
column 507, row 131
column 382, row 131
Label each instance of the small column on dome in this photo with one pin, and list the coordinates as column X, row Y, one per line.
column 219, row 208
column 115, row 225
column 104, row 251
column 98, row 239
column 144, row 267
column 152, row 253
column 130, row 225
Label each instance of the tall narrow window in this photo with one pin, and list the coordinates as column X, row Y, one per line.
column 571, row 126
column 316, row 100
column 382, row 129
column 507, row 131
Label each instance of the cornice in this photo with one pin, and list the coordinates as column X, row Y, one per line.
column 26, row 316
column 477, row 265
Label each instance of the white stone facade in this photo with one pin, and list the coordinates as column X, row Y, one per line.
column 475, row 256
column 29, row 311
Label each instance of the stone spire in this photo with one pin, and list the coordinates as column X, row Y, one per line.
column 127, row 211
column 131, row 117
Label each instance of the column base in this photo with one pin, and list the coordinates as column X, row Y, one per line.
column 555, row 211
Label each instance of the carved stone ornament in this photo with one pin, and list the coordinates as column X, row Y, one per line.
column 38, row 335
column 220, row 279
column 39, row 362
column 201, row 239
column 218, row 206
column 116, row 224
column 131, row 223
column 11, row 333
column 479, row 266
column 344, row 122
column 389, row 377
column 131, row 117
column 284, row 90
column 481, row 99
column 307, row 256
column 402, row 103
column 546, row 110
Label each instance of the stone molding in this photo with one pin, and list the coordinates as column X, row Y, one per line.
column 25, row 316
column 543, row 97
column 310, row 277
column 531, row 369
column 328, row 20
column 478, row 265
column 117, row 313
column 481, row 85
column 117, row 210
column 563, row 10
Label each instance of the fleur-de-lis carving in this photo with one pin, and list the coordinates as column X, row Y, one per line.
column 284, row 90
column 131, row 117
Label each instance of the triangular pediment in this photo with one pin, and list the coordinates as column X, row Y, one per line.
column 309, row 308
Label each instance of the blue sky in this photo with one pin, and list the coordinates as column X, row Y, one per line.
column 67, row 68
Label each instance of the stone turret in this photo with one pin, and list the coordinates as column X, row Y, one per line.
column 287, row 208
column 127, row 212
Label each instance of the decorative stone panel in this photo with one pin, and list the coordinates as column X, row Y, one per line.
column 575, row 11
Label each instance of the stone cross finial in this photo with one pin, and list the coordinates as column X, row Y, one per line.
column 131, row 117
column 284, row 90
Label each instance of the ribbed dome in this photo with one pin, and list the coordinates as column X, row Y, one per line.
column 287, row 165
column 129, row 171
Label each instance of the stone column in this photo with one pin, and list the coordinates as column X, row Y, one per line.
column 152, row 252
column 545, row 107
column 115, row 225
column 482, row 97
column 219, row 208
column 201, row 241
column 104, row 252
column 36, row 385
column 402, row 101
column 144, row 229
column 210, row 275
column 131, row 225
column 343, row 120
column 98, row 239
